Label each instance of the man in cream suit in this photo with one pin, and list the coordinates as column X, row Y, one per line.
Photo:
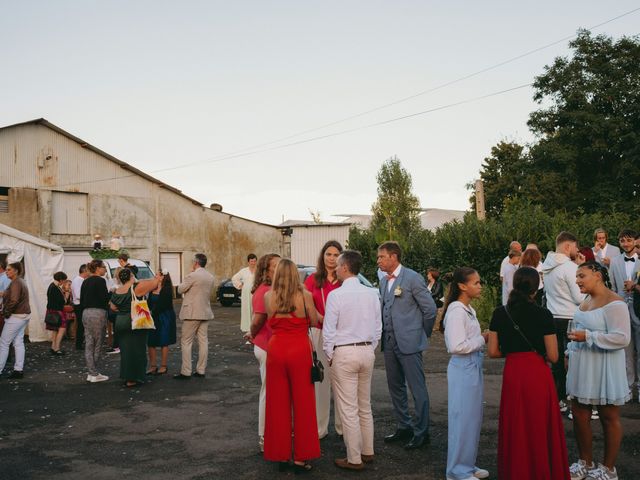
column 408, row 314
column 603, row 252
column 195, row 314
column 624, row 271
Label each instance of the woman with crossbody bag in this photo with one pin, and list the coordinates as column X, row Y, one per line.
column 290, row 403
column 531, row 440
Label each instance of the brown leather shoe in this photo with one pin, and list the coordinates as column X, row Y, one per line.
column 367, row 458
column 344, row 463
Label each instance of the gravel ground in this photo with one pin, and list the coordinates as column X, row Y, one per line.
column 54, row 425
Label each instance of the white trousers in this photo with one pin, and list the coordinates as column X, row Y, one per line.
column 13, row 332
column 351, row 373
column 323, row 390
column 261, row 356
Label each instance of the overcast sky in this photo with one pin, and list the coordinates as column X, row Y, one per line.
column 162, row 84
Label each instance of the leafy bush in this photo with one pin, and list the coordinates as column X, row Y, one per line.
column 485, row 305
column 482, row 244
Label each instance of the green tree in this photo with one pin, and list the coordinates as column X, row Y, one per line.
column 587, row 152
column 395, row 212
column 589, row 129
column 503, row 173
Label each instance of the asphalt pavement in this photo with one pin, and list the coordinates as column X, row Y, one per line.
column 55, row 425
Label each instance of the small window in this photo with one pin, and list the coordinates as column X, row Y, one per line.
column 4, row 199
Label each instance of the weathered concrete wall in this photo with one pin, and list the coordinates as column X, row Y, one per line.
column 23, row 211
column 36, row 160
column 225, row 239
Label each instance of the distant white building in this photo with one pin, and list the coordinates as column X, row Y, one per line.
column 430, row 218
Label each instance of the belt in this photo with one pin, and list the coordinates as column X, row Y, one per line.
column 356, row 344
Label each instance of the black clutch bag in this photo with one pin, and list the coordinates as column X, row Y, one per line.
column 317, row 369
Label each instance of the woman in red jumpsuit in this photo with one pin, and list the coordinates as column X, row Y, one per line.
column 290, row 391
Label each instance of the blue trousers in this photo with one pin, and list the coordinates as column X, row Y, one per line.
column 464, row 378
column 403, row 370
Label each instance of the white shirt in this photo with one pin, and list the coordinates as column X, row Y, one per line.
column 352, row 316
column 76, row 285
column 630, row 266
column 505, row 262
column 462, row 333
column 507, row 272
column 395, row 274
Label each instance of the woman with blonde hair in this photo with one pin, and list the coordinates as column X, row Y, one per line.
column 290, row 391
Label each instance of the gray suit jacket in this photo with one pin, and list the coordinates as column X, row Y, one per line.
column 197, row 288
column 618, row 274
column 610, row 252
column 408, row 310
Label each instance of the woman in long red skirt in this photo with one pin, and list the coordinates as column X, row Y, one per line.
column 290, row 390
column 531, row 441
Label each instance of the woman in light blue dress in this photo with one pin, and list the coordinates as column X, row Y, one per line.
column 465, row 343
column 597, row 374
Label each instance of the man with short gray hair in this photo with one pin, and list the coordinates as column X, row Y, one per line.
column 195, row 314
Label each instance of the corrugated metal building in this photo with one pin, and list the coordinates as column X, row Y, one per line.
column 60, row 188
column 307, row 238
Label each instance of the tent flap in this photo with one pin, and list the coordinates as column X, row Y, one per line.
column 41, row 260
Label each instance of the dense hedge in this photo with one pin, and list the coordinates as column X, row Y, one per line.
column 482, row 244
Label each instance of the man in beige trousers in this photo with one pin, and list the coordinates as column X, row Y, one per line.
column 195, row 314
column 351, row 331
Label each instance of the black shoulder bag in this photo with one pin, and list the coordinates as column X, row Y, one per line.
column 317, row 369
column 516, row 327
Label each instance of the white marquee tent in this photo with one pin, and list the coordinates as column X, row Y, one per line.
column 41, row 260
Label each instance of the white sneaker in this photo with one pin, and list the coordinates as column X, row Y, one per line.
column 563, row 406
column 580, row 470
column 602, row 473
column 90, row 378
column 570, row 415
column 261, row 444
column 594, row 414
column 97, row 378
column 481, row 473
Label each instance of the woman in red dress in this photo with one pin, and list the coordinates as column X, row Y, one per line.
column 289, row 387
column 531, row 441
column 320, row 284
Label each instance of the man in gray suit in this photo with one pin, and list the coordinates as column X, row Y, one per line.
column 603, row 252
column 195, row 315
column 408, row 314
column 624, row 271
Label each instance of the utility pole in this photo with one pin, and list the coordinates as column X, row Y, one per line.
column 480, row 211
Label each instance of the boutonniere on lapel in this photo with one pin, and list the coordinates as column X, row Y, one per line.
column 397, row 291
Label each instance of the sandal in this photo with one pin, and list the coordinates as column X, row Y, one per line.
column 163, row 370
column 152, row 371
column 301, row 468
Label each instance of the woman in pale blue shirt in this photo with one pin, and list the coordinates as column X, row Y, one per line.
column 596, row 375
column 464, row 342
